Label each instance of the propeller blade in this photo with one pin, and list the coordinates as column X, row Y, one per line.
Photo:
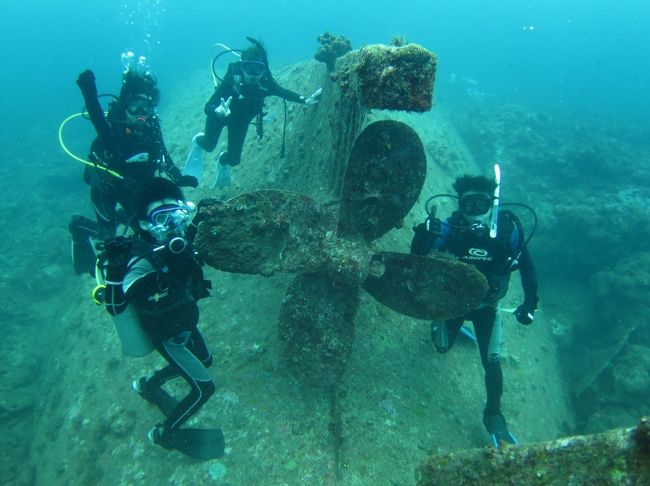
column 383, row 180
column 264, row 232
column 269, row 231
column 316, row 327
column 425, row 287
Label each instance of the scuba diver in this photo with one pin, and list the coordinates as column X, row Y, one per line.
column 155, row 279
column 237, row 100
column 129, row 148
column 492, row 240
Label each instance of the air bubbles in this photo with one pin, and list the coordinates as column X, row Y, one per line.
column 143, row 20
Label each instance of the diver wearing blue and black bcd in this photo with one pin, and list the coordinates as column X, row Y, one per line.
column 496, row 254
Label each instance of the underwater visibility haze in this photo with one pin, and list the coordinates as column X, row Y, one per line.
column 555, row 91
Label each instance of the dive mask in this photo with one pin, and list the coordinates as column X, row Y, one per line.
column 170, row 220
column 140, row 107
column 253, row 69
column 475, row 204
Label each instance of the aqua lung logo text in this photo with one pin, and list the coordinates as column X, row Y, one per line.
column 477, row 255
column 157, row 296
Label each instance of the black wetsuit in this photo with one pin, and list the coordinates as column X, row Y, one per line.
column 247, row 103
column 135, row 157
column 164, row 289
column 151, row 157
column 494, row 257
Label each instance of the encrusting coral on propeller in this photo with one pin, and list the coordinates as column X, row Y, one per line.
column 332, row 47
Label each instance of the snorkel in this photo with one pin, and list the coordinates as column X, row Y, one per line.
column 495, row 202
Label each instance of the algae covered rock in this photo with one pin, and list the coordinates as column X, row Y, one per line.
column 617, row 457
column 631, row 374
column 390, row 77
column 615, row 370
column 628, row 281
column 332, row 47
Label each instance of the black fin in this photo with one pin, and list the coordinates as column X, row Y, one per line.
column 83, row 257
column 82, row 230
column 199, row 443
column 161, row 399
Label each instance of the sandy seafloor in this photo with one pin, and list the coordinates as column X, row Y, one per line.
column 70, row 416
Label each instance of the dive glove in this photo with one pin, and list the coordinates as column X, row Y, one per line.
column 117, row 250
column 420, row 229
column 223, row 110
column 525, row 313
column 187, row 181
column 86, row 82
column 430, row 226
column 433, row 225
column 314, row 97
column 425, row 237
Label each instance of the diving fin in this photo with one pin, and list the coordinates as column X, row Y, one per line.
column 468, row 334
column 440, row 336
column 503, row 438
column 194, row 163
column 497, row 427
column 156, row 396
column 84, row 258
column 222, row 177
column 202, row 444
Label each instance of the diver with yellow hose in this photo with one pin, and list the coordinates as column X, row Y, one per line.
column 129, row 149
column 481, row 234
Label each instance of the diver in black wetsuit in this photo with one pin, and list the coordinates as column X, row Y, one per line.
column 163, row 282
column 237, row 100
column 466, row 234
column 129, row 142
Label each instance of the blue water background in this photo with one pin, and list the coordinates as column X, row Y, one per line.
column 576, row 57
column 573, row 59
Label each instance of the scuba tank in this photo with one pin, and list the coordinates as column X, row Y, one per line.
column 135, row 342
column 112, row 265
